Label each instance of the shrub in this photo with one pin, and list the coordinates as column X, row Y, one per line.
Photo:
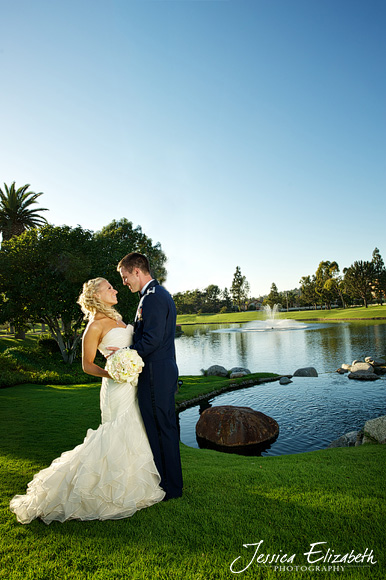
column 22, row 356
column 11, row 378
column 7, row 363
column 48, row 344
column 23, row 364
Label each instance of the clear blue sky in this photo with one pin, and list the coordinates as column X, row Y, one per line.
column 245, row 133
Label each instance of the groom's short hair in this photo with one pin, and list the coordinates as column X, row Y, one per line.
column 135, row 260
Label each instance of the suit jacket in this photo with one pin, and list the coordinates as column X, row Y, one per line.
column 155, row 325
column 154, row 333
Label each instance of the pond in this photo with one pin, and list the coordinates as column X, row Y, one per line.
column 311, row 412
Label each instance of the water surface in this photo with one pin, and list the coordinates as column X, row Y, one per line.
column 311, row 412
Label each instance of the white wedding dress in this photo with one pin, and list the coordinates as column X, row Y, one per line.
column 111, row 475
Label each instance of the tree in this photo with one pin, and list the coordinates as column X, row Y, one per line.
column 16, row 214
column 273, row 297
column 326, row 282
column 119, row 238
column 226, row 299
column 239, row 289
column 291, row 297
column 359, row 280
column 380, row 276
column 42, row 272
column 211, row 298
column 308, row 294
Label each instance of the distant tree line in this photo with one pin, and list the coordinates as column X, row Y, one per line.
column 363, row 282
column 213, row 299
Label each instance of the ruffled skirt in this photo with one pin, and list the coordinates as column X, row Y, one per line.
column 111, row 475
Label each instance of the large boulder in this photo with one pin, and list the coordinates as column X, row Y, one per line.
column 375, row 430
column 306, row 372
column 236, row 426
column 217, row 371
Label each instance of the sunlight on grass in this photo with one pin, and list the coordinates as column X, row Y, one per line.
column 335, row 495
column 372, row 312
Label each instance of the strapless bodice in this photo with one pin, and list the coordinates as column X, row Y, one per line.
column 119, row 337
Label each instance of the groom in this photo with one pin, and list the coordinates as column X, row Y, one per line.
column 154, row 332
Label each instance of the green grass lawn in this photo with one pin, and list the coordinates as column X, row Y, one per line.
column 357, row 313
column 372, row 312
column 335, row 496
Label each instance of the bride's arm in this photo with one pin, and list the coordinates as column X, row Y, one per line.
column 91, row 339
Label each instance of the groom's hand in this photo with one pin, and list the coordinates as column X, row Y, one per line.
column 113, row 350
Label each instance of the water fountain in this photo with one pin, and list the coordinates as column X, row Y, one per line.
column 271, row 322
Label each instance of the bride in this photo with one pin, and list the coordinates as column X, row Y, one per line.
column 112, row 474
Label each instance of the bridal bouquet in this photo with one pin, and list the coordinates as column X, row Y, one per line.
column 124, row 366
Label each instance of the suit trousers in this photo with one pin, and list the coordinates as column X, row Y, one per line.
column 157, row 385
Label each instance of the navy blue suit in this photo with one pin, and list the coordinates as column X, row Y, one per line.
column 154, row 332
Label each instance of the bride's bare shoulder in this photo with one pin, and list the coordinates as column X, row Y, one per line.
column 94, row 328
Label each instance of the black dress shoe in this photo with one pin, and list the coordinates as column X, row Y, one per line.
column 168, row 496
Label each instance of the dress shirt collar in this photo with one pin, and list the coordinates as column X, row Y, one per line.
column 143, row 290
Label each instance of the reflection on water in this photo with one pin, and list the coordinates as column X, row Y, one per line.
column 310, row 412
column 324, row 346
column 268, row 325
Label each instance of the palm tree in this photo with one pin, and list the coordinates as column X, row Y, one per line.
column 15, row 213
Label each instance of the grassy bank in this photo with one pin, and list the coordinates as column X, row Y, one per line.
column 334, row 496
column 357, row 313
column 197, row 387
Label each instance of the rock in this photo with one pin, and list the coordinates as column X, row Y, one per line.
column 341, row 371
column 347, row 440
column 238, row 375
column 380, row 362
column 375, row 429
column 362, row 367
column 240, row 370
column 354, row 362
column 359, row 438
column 236, row 426
column 285, row 381
column 345, row 367
column 306, row 372
column 217, row 371
column 363, row 376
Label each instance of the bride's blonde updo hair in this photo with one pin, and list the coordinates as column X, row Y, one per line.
column 91, row 304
